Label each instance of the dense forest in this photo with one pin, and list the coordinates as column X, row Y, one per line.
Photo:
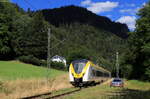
column 23, row 36
column 137, row 58
column 71, row 14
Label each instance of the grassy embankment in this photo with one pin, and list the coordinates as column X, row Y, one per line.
column 18, row 79
column 133, row 90
column 13, row 70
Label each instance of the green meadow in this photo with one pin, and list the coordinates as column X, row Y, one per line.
column 133, row 89
column 12, row 70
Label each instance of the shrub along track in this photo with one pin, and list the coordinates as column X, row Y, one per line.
column 52, row 95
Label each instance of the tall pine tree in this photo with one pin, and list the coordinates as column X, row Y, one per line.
column 139, row 44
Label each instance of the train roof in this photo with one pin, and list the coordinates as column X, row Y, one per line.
column 96, row 66
column 100, row 68
column 81, row 60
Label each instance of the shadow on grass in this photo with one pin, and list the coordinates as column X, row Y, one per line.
column 130, row 94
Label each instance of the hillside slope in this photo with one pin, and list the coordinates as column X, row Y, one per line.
column 72, row 14
column 80, row 35
column 10, row 70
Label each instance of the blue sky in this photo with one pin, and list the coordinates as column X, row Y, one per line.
column 123, row 11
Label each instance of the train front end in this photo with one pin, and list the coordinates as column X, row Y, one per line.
column 78, row 73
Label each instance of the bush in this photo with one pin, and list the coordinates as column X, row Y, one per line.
column 44, row 63
column 58, row 65
column 30, row 59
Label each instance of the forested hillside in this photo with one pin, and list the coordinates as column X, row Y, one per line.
column 23, row 36
column 72, row 14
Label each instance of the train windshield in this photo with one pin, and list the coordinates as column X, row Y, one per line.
column 78, row 67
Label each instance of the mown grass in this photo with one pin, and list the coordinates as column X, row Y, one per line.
column 138, row 85
column 133, row 90
column 12, row 70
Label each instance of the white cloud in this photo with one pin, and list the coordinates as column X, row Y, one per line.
column 109, row 16
column 126, row 10
column 144, row 3
column 86, row 2
column 133, row 8
column 98, row 7
column 129, row 11
column 129, row 20
column 138, row 8
column 127, row 5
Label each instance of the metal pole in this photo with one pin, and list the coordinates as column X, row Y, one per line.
column 109, row 75
column 117, row 64
column 48, row 53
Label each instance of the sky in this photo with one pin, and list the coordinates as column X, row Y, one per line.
column 123, row 11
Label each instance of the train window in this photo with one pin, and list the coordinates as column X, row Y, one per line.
column 98, row 73
column 91, row 71
column 78, row 67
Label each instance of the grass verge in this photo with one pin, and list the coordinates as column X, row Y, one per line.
column 133, row 90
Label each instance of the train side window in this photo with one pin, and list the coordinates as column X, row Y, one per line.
column 99, row 73
column 92, row 71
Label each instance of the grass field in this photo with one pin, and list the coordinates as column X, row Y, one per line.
column 12, row 70
column 133, row 90
column 19, row 80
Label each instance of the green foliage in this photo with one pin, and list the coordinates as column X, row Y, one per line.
column 58, row 65
column 139, row 46
column 30, row 59
column 31, row 36
column 9, row 13
column 126, row 70
column 147, row 72
column 25, row 35
column 146, row 48
column 4, row 34
column 78, row 53
column 5, row 1
column 71, row 14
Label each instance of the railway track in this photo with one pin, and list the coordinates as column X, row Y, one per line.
column 67, row 93
column 50, row 95
column 53, row 95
